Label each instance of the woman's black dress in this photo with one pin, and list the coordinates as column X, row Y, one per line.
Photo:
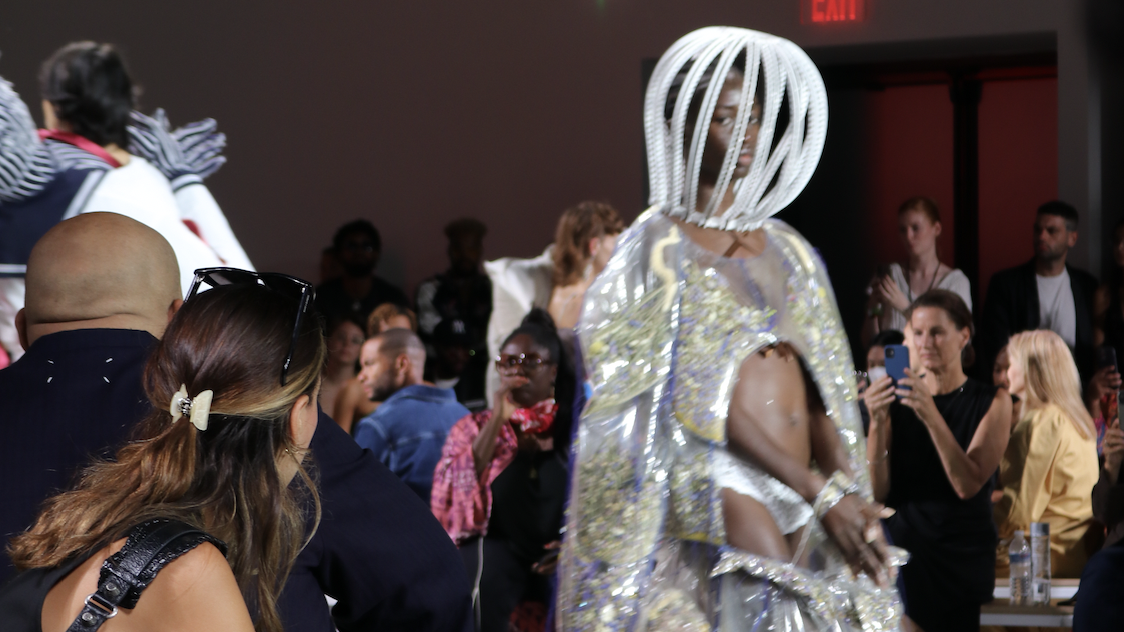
column 951, row 541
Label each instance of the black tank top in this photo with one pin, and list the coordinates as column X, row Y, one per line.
column 919, row 486
column 952, row 541
column 21, row 599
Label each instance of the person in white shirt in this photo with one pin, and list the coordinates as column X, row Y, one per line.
column 90, row 159
column 899, row 284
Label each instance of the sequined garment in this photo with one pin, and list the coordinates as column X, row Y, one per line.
column 665, row 328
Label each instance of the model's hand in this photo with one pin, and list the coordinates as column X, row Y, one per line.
column 853, row 525
column 194, row 150
column 1113, row 450
column 878, row 397
column 893, row 294
column 918, row 397
column 202, row 146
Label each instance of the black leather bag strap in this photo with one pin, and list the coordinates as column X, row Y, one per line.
column 125, row 575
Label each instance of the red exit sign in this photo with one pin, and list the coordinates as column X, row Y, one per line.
column 828, row 11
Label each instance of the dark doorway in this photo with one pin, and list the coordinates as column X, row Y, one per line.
column 978, row 135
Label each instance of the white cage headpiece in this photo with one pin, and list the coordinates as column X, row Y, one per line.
column 787, row 73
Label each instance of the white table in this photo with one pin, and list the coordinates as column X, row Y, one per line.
column 1000, row 612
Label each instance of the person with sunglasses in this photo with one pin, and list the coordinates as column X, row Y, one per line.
column 233, row 386
column 377, row 551
column 500, row 486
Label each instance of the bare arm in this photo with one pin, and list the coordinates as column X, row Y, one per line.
column 343, row 413
column 969, row 470
column 847, row 521
column 878, row 397
column 484, row 446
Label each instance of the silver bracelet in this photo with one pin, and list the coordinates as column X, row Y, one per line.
column 838, row 486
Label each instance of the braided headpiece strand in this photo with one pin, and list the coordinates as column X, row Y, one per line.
column 785, row 72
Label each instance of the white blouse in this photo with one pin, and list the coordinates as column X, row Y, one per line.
column 955, row 281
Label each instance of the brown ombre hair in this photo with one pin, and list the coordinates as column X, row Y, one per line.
column 578, row 225
column 231, row 340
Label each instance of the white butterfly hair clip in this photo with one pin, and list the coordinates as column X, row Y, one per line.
column 195, row 408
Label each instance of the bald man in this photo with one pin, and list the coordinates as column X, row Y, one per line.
column 100, row 290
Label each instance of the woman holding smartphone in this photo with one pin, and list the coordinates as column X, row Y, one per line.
column 951, row 431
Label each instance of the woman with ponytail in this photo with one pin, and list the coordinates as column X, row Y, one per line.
column 233, row 386
column 500, row 486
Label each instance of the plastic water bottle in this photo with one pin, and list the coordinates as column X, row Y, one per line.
column 1040, row 562
column 1019, row 556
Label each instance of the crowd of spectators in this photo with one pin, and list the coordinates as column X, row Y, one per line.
column 1034, row 436
column 435, row 499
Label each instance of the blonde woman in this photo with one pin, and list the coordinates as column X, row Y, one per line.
column 1050, row 465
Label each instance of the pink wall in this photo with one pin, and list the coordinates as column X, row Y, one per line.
column 909, row 153
column 1018, row 169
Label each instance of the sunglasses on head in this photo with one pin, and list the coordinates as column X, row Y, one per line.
column 297, row 289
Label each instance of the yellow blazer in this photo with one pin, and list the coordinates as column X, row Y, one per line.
column 1048, row 473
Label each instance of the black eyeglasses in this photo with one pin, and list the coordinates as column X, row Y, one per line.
column 530, row 363
column 292, row 287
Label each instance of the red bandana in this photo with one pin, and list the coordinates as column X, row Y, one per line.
column 81, row 142
column 537, row 419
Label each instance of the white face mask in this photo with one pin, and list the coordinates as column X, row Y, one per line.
column 786, row 72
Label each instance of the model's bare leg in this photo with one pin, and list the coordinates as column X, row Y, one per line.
column 750, row 527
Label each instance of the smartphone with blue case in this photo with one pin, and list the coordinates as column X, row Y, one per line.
column 897, row 361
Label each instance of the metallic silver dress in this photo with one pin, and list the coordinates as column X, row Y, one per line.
column 664, row 331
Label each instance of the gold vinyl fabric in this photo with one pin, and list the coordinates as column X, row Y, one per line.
column 664, row 330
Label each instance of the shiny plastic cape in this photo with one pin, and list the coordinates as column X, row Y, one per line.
column 663, row 330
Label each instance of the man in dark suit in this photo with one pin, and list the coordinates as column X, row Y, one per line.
column 100, row 290
column 1044, row 293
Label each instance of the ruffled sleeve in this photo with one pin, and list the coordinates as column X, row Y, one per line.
column 462, row 502
column 25, row 165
